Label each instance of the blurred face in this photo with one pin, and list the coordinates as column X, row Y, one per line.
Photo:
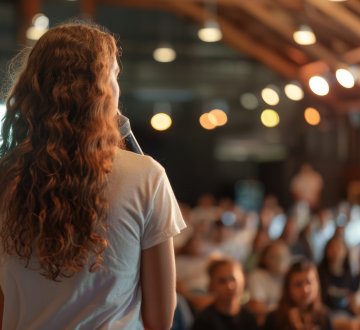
column 336, row 251
column 304, row 288
column 114, row 72
column 227, row 282
column 277, row 259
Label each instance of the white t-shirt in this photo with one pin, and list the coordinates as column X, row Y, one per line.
column 264, row 287
column 143, row 213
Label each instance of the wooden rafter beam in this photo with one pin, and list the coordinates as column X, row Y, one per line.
column 239, row 40
column 317, row 51
column 88, row 8
column 339, row 14
column 27, row 10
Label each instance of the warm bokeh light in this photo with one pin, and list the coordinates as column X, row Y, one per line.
column 210, row 32
column 319, row 85
column 220, row 115
column 40, row 21
column 270, row 96
column 208, row 121
column 312, row 116
column 40, row 24
column 249, row 101
column 33, row 33
column 304, row 36
column 294, row 92
column 161, row 121
column 345, row 78
column 270, row 118
column 164, row 54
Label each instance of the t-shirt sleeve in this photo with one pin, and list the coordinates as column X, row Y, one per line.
column 164, row 219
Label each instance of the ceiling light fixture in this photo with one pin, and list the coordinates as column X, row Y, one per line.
column 164, row 53
column 270, row 95
column 304, row 35
column 293, row 91
column 345, row 77
column 210, row 32
column 319, row 85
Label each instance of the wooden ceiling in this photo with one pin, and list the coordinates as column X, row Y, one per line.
column 263, row 30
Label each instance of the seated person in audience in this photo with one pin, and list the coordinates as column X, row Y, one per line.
column 295, row 239
column 265, row 282
column 337, row 282
column 191, row 261
column 300, row 307
column 226, row 284
column 260, row 241
column 338, row 285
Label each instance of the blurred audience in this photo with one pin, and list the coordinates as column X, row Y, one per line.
column 300, row 306
column 227, row 282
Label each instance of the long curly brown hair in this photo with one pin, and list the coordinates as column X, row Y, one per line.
column 59, row 137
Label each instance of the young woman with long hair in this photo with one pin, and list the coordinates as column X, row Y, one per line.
column 300, row 306
column 86, row 227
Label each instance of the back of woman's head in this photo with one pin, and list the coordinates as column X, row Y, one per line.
column 59, row 137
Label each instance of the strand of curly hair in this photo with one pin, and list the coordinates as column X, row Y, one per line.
column 58, row 144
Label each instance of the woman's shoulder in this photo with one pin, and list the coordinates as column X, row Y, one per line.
column 136, row 164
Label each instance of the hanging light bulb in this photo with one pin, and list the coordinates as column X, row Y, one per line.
column 319, row 85
column 345, row 77
column 208, row 121
column 294, row 92
column 312, row 116
column 304, row 35
column 161, row 121
column 210, row 32
column 270, row 95
column 270, row 118
column 164, row 53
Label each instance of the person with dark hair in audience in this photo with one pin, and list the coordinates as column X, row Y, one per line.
column 227, row 282
column 338, row 284
column 300, row 306
column 265, row 282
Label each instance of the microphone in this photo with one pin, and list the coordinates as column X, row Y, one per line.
column 127, row 135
